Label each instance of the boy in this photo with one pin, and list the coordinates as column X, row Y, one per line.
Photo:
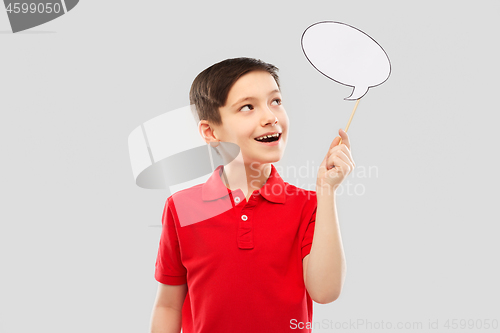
column 251, row 251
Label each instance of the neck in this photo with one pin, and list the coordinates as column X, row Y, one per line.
column 247, row 177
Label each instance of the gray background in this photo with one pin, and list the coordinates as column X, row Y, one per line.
column 78, row 239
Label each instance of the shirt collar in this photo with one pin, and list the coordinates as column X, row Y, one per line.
column 273, row 189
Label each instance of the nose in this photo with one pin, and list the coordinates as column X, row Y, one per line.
column 269, row 117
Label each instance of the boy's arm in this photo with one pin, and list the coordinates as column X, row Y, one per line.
column 325, row 267
column 167, row 309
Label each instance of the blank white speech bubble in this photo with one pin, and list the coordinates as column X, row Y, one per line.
column 346, row 55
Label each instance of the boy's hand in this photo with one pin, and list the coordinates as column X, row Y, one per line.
column 336, row 165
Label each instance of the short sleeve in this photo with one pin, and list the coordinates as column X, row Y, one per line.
column 169, row 268
column 308, row 235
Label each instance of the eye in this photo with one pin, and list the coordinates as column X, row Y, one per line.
column 278, row 100
column 244, row 106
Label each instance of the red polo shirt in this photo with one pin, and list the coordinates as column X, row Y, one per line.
column 242, row 261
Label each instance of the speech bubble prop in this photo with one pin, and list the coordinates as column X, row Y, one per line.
column 346, row 55
column 24, row 15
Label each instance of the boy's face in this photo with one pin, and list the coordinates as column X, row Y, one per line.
column 253, row 108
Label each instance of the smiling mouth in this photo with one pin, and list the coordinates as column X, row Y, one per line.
column 271, row 139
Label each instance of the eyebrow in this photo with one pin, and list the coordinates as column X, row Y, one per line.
column 245, row 98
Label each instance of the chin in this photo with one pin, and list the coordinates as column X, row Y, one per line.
column 271, row 159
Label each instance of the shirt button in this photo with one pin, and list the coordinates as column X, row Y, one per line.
column 244, row 217
column 237, row 199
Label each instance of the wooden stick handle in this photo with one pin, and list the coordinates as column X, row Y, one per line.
column 350, row 119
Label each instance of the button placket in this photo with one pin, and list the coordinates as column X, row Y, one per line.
column 245, row 228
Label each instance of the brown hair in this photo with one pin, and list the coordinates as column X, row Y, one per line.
column 211, row 87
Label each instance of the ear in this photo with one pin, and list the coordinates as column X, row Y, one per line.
column 206, row 131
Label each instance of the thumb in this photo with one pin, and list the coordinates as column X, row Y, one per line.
column 335, row 142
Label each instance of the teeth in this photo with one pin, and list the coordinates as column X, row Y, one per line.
column 267, row 136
